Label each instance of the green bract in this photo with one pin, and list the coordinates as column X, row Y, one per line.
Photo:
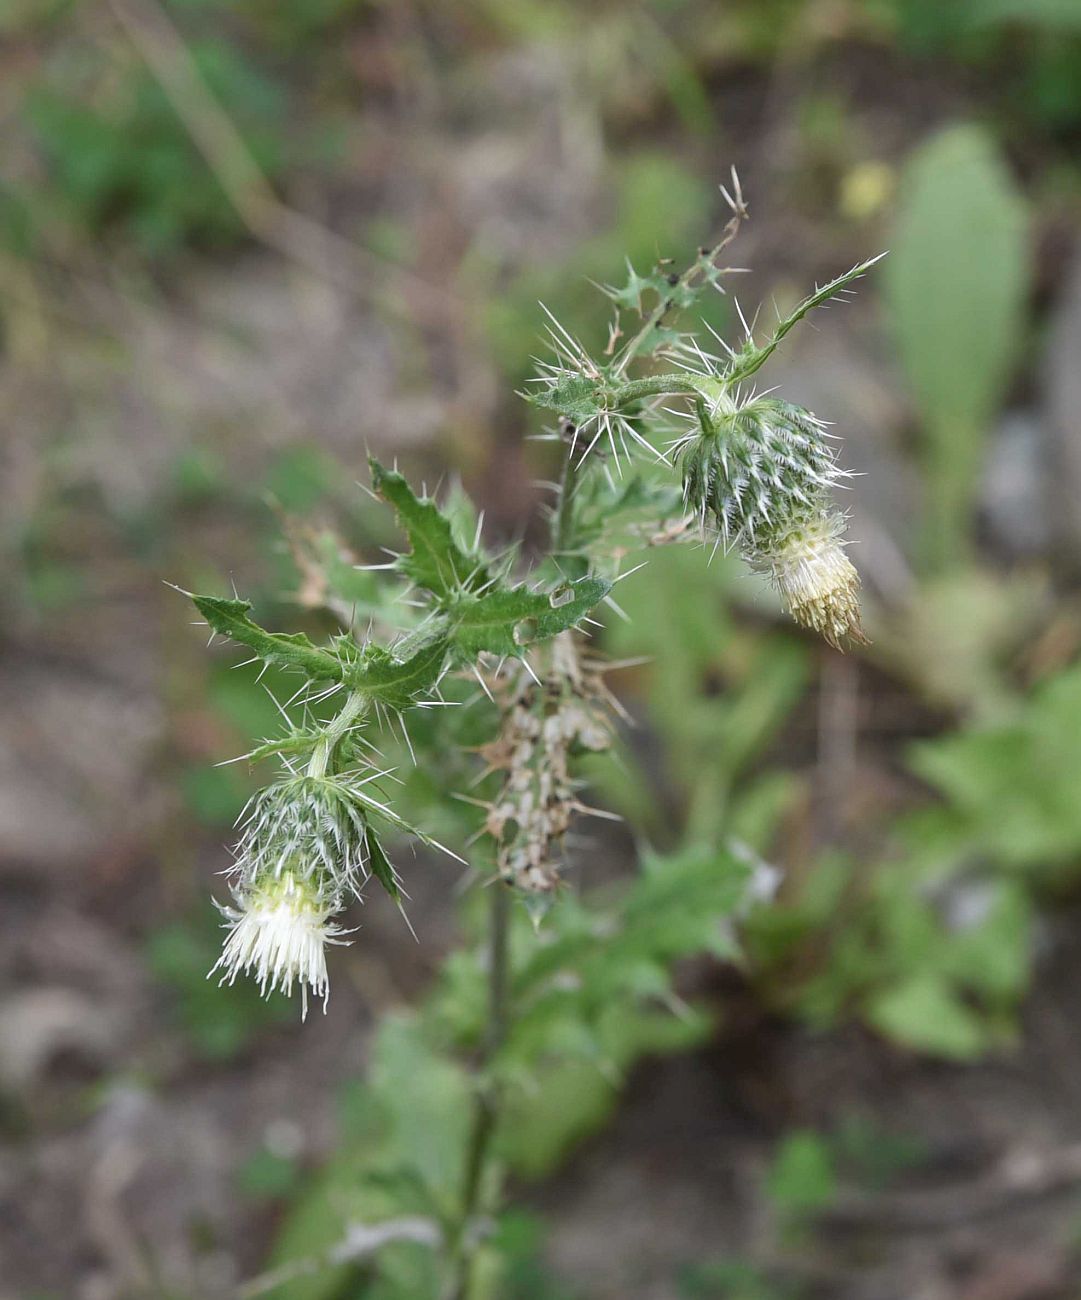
column 756, row 469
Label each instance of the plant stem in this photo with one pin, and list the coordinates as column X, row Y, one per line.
column 335, row 732
column 655, row 386
column 486, row 1109
column 563, row 531
column 706, row 259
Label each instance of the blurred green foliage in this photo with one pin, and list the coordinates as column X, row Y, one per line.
column 1010, row 792
column 734, row 1280
column 589, row 1009
column 956, row 286
column 219, row 1028
column 119, row 161
column 802, row 1178
column 742, row 683
column 935, row 946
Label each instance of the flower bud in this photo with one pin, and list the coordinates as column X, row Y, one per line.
column 766, row 462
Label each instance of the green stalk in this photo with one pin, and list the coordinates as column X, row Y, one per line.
column 655, row 386
column 486, row 1108
column 563, row 531
column 487, row 1105
column 355, row 706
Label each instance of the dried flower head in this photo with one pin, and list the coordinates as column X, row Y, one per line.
column 546, row 719
column 278, row 933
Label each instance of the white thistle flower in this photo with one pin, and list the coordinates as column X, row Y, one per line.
column 279, row 933
column 817, row 581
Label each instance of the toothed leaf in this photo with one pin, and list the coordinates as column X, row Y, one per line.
column 394, row 682
column 630, row 295
column 435, row 561
column 751, row 357
column 284, row 650
column 505, row 622
column 574, row 396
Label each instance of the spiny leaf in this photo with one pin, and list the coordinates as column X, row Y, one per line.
column 505, row 621
column 435, row 561
column 396, row 683
column 751, row 357
column 285, row 650
column 575, row 396
column 662, row 282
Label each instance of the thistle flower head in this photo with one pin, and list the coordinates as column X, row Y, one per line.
column 278, row 933
column 304, row 848
column 763, row 473
column 765, row 462
column 817, row 581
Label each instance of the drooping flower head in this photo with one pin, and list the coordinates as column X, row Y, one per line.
column 303, row 853
column 764, row 475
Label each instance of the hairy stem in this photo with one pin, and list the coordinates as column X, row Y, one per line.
column 563, row 530
column 486, row 1109
column 655, row 386
column 487, row 1106
column 335, row 733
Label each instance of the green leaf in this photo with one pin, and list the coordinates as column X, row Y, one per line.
column 752, row 356
column 427, row 1099
column 802, row 1179
column 435, row 561
column 925, row 1014
column 396, row 683
column 1011, row 786
column 994, row 957
column 505, row 621
column 381, row 867
column 293, row 650
column 956, row 285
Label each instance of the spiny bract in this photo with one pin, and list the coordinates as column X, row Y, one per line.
column 766, row 463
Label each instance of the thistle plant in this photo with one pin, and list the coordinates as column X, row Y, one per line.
column 661, row 437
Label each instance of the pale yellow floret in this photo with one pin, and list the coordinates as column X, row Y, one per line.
column 816, row 579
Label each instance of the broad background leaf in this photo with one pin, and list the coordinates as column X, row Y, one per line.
column 955, row 284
